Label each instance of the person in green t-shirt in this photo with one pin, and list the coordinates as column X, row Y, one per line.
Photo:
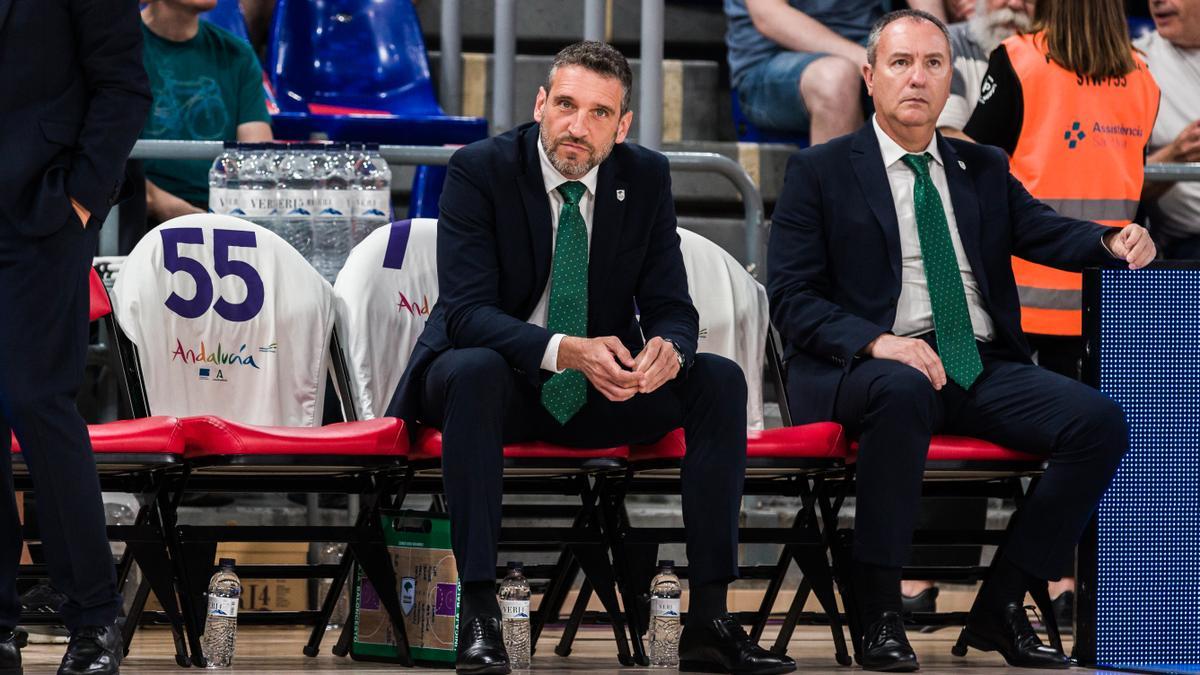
column 207, row 85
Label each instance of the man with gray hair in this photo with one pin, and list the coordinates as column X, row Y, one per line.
column 891, row 284
column 550, row 238
column 971, row 43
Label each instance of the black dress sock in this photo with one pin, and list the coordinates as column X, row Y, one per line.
column 478, row 600
column 707, row 601
column 877, row 589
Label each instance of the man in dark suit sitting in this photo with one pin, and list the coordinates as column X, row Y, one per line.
column 891, row 284
column 564, row 316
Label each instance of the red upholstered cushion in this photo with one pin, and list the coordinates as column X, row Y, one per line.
column 215, row 437
column 966, row 449
column 156, row 435
column 99, row 305
column 818, row 440
column 429, row 446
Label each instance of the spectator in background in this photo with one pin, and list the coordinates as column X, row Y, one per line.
column 207, row 86
column 972, row 42
column 959, row 10
column 1173, row 54
column 1073, row 106
column 797, row 64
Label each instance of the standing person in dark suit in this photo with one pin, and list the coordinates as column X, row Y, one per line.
column 891, row 284
column 75, row 97
column 553, row 238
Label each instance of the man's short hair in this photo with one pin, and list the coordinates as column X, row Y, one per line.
column 600, row 58
column 890, row 17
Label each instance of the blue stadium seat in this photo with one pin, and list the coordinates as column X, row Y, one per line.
column 356, row 70
column 748, row 133
column 228, row 15
column 1139, row 26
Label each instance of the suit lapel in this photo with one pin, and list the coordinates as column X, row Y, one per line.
column 537, row 210
column 867, row 161
column 608, row 217
column 966, row 211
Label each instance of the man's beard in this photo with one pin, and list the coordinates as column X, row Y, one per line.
column 989, row 29
column 577, row 167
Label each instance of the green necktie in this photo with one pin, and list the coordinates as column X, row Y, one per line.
column 951, row 320
column 565, row 393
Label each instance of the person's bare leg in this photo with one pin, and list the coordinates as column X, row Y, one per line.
column 830, row 87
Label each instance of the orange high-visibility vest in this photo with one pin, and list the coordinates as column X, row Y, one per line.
column 1081, row 151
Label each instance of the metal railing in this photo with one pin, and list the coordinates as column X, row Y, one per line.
column 709, row 162
column 1173, row 172
column 504, row 61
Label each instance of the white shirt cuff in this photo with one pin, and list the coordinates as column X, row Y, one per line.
column 550, row 358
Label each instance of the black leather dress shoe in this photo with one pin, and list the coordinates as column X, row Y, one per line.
column 886, row 647
column 1009, row 633
column 481, row 649
column 93, row 650
column 721, row 646
column 924, row 602
column 10, row 653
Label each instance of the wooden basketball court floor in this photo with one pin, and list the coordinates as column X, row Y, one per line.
column 264, row 651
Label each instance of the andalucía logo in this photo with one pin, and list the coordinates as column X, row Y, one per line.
column 212, row 361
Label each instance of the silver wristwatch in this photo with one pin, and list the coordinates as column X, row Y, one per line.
column 678, row 352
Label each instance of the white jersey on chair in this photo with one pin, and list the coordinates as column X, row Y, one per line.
column 228, row 320
column 385, row 291
column 734, row 319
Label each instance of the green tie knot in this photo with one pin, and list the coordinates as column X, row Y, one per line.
column 919, row 163
column 572, row 191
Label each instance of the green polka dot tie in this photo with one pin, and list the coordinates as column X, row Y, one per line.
column 951, row 320
column 565, row 393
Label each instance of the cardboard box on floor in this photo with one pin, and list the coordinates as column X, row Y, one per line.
column 285, row 595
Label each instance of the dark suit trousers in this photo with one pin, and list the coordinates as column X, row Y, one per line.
column 479, row 403
column 895, row 411
column 43, row 346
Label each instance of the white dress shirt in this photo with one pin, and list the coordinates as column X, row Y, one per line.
column 914, row 312
column 552, row 178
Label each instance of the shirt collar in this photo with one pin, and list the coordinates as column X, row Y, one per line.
column 552, row 178
column 891, row 150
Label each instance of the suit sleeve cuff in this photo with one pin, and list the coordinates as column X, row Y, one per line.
column 1104, row 243
column 550, row 358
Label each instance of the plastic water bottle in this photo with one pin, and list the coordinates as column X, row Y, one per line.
column 220, row 628
column 223, row 182
column 331, row 221
column 256, row 186
column 514, row 615
column 296, row 190
column 372, row 192
column 664, row 616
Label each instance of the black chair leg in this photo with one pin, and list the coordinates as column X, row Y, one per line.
column 577, row 613
column 771, row 595
column 593, row 559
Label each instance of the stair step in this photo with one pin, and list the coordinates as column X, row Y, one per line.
column 560, row 22
column 685, row 82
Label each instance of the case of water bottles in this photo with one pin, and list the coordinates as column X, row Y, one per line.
column 322, row 198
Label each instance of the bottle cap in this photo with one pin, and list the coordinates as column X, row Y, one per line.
column 227, row 563
column 666, row 563
column 516, row 565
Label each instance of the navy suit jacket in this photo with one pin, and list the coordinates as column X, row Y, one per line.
column 74, row 98
column 494, row 257
column 834, row 255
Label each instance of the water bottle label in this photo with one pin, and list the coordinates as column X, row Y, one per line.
column 664, row 607
column 296, row 202
column 514, row 609
column 258, row 203
column 372, row 204
column 218, row 606
column 334, row 203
